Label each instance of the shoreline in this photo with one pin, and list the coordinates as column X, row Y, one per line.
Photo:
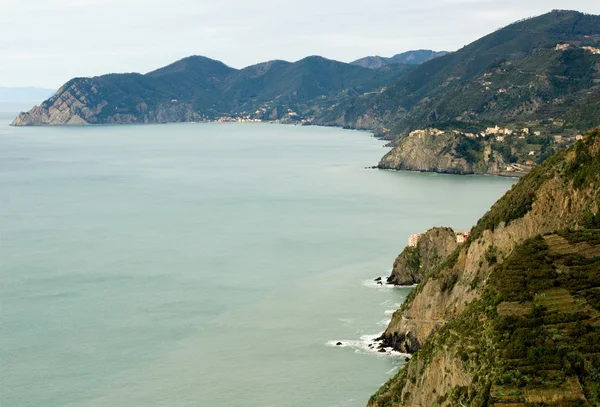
column 371, row 132
column 503, row 174
column 373, row 343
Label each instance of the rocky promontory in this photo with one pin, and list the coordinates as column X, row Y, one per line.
column 418, row 259
column 433, row 150
column 89, row 101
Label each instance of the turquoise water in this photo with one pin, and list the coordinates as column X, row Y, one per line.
column 205, row 264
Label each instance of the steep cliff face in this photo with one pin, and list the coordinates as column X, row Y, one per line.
column 91, row 101
column 432, row 150
column 466, row 309
column 65, row 107
column 363, row 122
column 429, row 151
column 414, row 263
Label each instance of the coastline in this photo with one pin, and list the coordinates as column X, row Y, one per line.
column 503, row 174
column 371, row 132
column 372, row 343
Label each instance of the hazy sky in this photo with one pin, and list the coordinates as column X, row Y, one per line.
column 46, row 42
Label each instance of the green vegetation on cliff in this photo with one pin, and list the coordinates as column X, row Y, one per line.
column 579, row 166
column 414, row 263
column 529, row 332
column 513, row 153
column 515, row 74
column 533, row 338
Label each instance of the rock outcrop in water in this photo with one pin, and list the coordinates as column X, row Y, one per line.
column 414, row 263
column 512, row 318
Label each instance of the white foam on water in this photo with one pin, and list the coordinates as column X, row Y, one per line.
column 371, row 283
column 366, row 344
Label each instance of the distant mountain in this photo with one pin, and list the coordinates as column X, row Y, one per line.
column 198, row 88
column 24, row 94
column 409, row 58
column 514, row 74
column 541, row 72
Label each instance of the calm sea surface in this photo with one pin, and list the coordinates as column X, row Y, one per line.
column 205, row 264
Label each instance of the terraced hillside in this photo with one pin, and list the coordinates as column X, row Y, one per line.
column 512, row 318
column 513, row 74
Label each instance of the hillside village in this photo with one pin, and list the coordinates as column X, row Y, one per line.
column 519, row 148
column 461, row 237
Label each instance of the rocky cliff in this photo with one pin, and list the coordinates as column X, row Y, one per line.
column 414, row 263
column 512, row 318
column 432, row 150
column 84, row 101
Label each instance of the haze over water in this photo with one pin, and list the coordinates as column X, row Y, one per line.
column 205, row 264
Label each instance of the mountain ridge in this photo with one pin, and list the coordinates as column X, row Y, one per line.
column 416, row 57
column 449, row 91
column 411, row 103
column 198, row 88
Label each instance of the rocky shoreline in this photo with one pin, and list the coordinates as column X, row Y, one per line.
column 459, row 322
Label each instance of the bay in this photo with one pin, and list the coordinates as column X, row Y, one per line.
column 205, row 264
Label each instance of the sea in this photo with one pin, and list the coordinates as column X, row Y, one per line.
column 205, row 264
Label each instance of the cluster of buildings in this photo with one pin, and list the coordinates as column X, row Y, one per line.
column 498, row 130
column 520, row 168
column 564, row 47
column 461, row 237
column 567, row 139
column 261, row 115
column 414, row 239
column 420, row 133
column 593, row 50
column 500, row 133
column 228, row 119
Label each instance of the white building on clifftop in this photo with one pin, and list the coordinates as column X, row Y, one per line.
column 414, row 239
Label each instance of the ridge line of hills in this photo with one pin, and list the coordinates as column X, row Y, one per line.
column 513, row 74
column 198, row 88
column 411, row 58
column 538, row 80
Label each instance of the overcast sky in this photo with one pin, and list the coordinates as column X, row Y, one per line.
column 47, row 42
